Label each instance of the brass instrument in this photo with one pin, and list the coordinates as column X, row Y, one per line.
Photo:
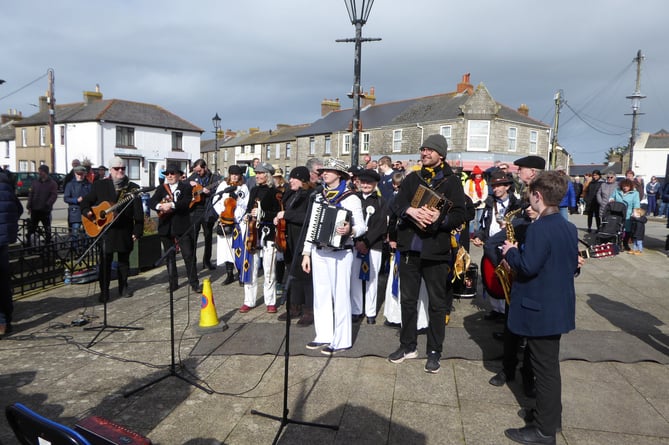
column 503, row 271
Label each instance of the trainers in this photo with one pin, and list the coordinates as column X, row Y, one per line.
column 329, row 350
column 316, row 345
column 271, row 309
column 244, row 309
column 402, row 354
column 432, row 365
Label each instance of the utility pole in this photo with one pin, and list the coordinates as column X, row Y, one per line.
column 556, row 123
column 51, row 100
column 636, row 104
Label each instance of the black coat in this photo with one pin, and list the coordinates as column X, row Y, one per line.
column 270, row 206
column 489, row 213
column 295, row 206
column 377, row 223
column 129, row 222
column 176, row 222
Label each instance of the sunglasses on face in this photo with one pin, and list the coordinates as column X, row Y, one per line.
column 118, row 168
column 170, row 173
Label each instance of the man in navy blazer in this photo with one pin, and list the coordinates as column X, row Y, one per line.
column 543, row 300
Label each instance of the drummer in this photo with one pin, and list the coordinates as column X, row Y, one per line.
column 492, row 222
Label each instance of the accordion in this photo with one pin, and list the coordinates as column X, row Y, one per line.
column 425, row 196
column 323, row 223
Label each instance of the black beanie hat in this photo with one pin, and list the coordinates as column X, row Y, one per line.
column 437, row 143
column 301, row 173
column 235, row 170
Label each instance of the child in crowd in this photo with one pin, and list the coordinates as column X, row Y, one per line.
column 638, row 231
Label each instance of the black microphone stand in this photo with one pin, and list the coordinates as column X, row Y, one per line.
column 170, row 255
column 284, row 419
column 101, row 239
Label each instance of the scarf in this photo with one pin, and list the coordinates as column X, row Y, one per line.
column 478, row 183
column 334, row 195
column 429, row 173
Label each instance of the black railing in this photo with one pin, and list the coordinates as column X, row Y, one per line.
column 42, row 260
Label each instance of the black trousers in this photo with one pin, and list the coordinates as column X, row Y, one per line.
column 435, row 274
column 593, row 212
column 123, row 263
column 36, row 217
column 207, row 224
column 187, row 248
column 545, row 358
column 6, row 303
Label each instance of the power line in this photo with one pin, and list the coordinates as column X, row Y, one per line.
column 25, row 86
column 598, row 130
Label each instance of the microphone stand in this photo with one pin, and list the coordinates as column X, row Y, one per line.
column 170, row 255
column 284, row 419
column 103, row 272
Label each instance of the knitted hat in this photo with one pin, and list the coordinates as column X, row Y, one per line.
column 301, row 173
column 437, row 143
column 235, row 170
column 477, row 170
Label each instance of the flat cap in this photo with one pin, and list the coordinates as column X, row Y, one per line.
column 531, row 162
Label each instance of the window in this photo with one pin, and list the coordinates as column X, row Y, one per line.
column 62, row 135
column 346, row 145
column 225, row 155
column 7, row 151
column 277, row 151
column 268, row 152
column 397, row 141
column 328, row 145
column 478, row 134
column 312, row 145
column 445, row 131
column 512, row 136
column 364, row 142
column 288, row 147
column 24, row 137
column 534, row 137
column 23, row 166
column 177, row 141
column 125, row 136
column 133, row 170
column 42, row 136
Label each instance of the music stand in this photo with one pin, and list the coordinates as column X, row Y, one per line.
column 103, row 265
column 284, row 419
column 171, row 253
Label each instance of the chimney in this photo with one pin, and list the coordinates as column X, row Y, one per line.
column 92, row 96
column 524, row 109
column 12, row 115
column 368, row 98
column 43, row 105
column 229, row 134
column 464, row 85
column 254, row 130
column 329, row 105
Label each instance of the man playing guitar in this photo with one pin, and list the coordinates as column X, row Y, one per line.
column 203, row 182
column 126, row 228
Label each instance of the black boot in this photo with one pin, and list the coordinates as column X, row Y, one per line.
column 230, row 278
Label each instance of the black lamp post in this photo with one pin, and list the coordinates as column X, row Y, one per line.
column 216, row 121
column 358, row 12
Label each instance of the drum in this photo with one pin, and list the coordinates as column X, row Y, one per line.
column 465, row 287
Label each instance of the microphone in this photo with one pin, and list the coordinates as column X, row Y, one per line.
column 143, row 190
column 230, row 189
column 317, row 191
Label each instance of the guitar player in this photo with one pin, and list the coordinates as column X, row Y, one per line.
column 126, row 228
column 204, row 182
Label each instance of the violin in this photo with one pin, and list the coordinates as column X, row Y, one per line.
column 280, row 238
column 251, row 241
column 227, row 216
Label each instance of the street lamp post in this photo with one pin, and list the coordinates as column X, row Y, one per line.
column 216, row 120
column 358, row 12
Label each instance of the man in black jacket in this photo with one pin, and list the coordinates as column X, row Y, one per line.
column 10, row 211
column 204, row 182
column 424, row 242
column 126, row 228
column 172, row 203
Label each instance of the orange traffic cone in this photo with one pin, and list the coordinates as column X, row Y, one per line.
column 208, row 318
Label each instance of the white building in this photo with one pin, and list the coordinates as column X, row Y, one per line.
column 650, row 155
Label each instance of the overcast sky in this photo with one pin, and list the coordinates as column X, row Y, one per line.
column 261, row 62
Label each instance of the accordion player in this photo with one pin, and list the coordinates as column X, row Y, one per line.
column 323, row 222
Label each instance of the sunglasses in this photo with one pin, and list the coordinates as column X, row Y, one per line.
column 118, row 168
column 171, row 172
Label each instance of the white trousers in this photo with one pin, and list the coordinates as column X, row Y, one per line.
column 392, row 310
column 268, row 257
column 331, row 276
column 371, row 286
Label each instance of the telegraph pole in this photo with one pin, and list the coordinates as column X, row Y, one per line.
column 556, row 123
column 51, row 100
column 636, row 104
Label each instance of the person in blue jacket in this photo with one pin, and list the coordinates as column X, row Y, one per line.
column 568, row 201
column 543, row 300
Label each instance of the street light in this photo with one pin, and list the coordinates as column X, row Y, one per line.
column 358, row 12
column 216, row 121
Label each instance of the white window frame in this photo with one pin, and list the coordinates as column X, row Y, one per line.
column 346, row 144
column 288, row 149
column 364, row 143
column 328, row 145
column 534, row 141
column 42, row 136
column 312, row 145
column 24, row 137
column 512, row 136
column 277, row 151
column 397, row 141
column 446, row 131
column 478, row 135
column 177, row 141
column 134, row 168
column 268, row 152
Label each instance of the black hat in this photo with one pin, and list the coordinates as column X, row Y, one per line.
column 301, row 173
column 102, row 167
column 174, row 168
column 355, row 170
column 531, row 162
column 499, row 177
column 235, row 170
column 437, row 143
column 369, row 175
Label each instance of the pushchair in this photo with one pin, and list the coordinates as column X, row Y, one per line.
column 613, row 223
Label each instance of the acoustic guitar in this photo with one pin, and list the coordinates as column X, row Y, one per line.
column 103, row 214
column 198, row 191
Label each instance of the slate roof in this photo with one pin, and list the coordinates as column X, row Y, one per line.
column 7, row 133
column 658, row 140
column 113, row 110
column 441, row 107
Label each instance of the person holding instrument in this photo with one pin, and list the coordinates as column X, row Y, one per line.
column 203, row 181
column 231, row 208
column 260, row 240
column 127, row 227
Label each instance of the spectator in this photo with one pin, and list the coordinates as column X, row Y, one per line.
column 653, row 189
column 386, row 183
column 10, row 211
column 664, row 206
column 102, row 173
column 628, row 195
column 477, row 189
column 638, row 231
column 70, row 175
column 638, row 183
column 569, row 199
column 73, row 195
column 41, row 198
column 590, row 191
column 605, row 191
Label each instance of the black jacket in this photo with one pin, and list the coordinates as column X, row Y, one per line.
column 270, row 205
column 176, row 222
column 10, row 209
column 434, row 243
column 377, row 223
column 489, row 213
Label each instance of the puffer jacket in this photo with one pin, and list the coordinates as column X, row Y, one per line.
column 10, row 209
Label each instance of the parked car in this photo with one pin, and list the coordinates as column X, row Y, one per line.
column 59, row 178
column 23, row 182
